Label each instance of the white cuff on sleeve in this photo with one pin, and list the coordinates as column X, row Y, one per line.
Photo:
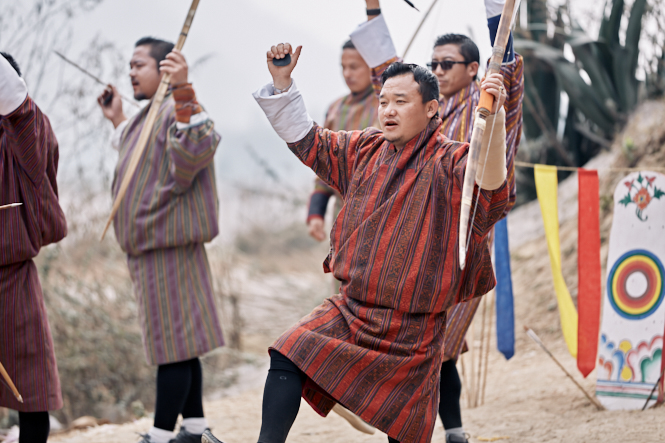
column 494, row 7
column 286, row 112
column 373, row 41
column 194, row 120
column 13, row 89
column 117, row 135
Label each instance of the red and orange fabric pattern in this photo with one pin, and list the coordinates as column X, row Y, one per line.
column 457, row 113
column 376, row 347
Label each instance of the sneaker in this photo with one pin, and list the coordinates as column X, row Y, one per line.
column 353, row 419
column 145, row 438
column 187, row 437
column 207, row 437
column 457, row 439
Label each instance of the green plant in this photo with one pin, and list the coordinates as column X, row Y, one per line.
column 601, row 82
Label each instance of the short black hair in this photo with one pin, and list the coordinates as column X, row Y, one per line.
column 467, row 47
column 159, row 49
column 429, row 84
column 348, row 45
column 12, row 62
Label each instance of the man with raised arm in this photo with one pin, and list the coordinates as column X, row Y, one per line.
column 28, row 168
column 355, row 111
column 169, row 212
column 376, row 348
column 455, row 62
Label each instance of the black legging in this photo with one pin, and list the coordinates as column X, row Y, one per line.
column 281, row 399
column 179, row 391
column 33, row 427
column 450, row 391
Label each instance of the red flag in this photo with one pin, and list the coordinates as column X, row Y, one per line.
column 588, row 271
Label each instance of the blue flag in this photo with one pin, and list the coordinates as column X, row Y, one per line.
column 505, row 315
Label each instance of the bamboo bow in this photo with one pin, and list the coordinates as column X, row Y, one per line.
column 482, row 112
column 142, row 142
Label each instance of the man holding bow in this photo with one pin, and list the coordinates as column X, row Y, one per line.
column 455, row 62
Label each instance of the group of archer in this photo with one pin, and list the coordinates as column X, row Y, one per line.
column 382, row 351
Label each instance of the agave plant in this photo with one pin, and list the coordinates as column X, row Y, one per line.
column 600, row 83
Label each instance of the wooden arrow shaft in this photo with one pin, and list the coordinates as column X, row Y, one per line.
column 422, row 22
column 146, row 131
column 11, row 205
column 95, row 78
column 530, row 332
column 10, row 383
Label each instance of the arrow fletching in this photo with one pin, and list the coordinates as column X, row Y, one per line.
column 412, row 5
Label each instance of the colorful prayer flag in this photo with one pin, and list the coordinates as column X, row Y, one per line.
column 588, row 271
column 505, row 315
column 546, row 188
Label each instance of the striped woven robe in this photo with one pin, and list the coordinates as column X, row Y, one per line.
column 457, row 113
column 375, row 348
column 169, row 211
column 28, row 167
column 349, row 113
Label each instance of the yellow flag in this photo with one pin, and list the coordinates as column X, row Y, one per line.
column 546, row 187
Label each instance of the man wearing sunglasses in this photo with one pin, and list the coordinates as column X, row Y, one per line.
column 455, row 62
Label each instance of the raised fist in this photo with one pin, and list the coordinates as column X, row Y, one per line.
column 281, row 75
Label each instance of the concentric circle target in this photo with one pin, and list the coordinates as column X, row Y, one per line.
column 635, row 284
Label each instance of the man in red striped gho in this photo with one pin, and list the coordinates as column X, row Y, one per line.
column 376, row 347
column 28, row 167
column 455, row 62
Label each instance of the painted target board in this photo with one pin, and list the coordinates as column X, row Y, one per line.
column 633, row 317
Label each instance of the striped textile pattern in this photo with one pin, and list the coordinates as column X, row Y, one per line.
column 349, row 113
column 376, row 347
column 28, row 168
column 172, row 198
column 169, row 212
column 457, row 113
column 176, row 303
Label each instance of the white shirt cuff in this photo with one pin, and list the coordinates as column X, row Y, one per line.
column 194, row 120
column 286, row 112
column 13, row 89
column 116, row 137
column 494, row 7
column 373, row 41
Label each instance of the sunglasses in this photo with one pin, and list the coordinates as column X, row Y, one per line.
column 446, row 65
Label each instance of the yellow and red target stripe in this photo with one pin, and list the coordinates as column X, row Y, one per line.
column 635, row 284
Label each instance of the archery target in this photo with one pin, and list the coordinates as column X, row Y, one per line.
column 635, row 284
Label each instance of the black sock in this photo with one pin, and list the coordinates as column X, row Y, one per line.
column 34, row 427
column 173, row 385
column 450, row 391
column 392, row 440
column 281, row 399
column 193, row 407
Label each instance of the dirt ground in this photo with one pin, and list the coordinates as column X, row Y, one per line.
column 528, row 399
